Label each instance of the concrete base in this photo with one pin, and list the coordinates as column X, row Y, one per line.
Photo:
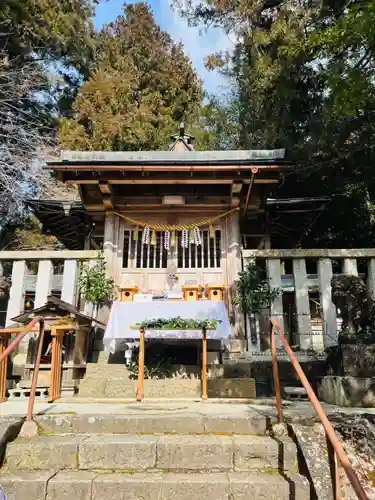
column 112, row 381
column 231, row 388
column 348, row 391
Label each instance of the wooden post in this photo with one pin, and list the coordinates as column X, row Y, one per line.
column 3, row 368
column 56, row 364
column 141, row 363
column 36, row 372
column 204, row 365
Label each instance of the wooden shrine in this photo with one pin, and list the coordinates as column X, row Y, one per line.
column 65, row 344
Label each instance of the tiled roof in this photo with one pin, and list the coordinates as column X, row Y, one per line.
column 171, row 156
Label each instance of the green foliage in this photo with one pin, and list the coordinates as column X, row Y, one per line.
column 94, row 284
column 253, row 291
column 155, row 367
column 141, row 85
column 179, row 324
column 303, row 79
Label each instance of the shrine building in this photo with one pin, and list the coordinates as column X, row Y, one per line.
column 181, row 210
column 177, row 225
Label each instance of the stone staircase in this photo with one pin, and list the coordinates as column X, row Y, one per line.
column 153, row 456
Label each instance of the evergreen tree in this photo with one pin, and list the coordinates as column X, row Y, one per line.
column 303, row 76
column 141, row 85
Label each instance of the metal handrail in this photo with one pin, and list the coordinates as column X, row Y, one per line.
column 15, row 343
column 330, row 432
column 28, row 328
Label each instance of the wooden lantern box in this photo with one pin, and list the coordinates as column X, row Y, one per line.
column 126, row 293
column 215, row 292
column 192, row 292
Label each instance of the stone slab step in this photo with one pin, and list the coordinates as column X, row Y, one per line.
column 67, row 485
column 296, row 393
column 179, row 453
column 173, row 422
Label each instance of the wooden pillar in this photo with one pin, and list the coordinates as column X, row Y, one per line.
column 276, row 308
column 43, row 282
column 301, row 292
column 141, row 364
column 330, row 334
column 204, row 366
column 69, row 284
column 80, row 345
column 120, row 249
column 3, row 368
column 56, row 364
column 16, row 294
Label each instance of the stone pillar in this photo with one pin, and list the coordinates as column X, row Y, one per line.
column 43, row 282
column 328, row 309
column 16, row 294
column 69, row 284
column 109, row 242
column 276, row 308
column 301, row 292
column 234, row 266
column 15, row 307
column 350, row 267
column 88, row 308
column 371, row 278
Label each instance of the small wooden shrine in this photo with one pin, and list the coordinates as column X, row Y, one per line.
column 65, row 346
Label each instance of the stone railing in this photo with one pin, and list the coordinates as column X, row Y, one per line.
column 38, row 274
column 304, row 276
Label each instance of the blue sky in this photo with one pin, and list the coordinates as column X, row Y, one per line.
column 197, row 46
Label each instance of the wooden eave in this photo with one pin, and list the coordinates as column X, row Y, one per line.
column 169, row 177
column 56, row 305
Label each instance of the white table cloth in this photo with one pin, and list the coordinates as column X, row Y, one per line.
column 124, row 315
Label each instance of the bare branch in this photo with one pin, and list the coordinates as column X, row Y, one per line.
column 24, row 135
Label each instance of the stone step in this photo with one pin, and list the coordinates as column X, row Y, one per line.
column 88, row 485
column 113, row 381
column 296, row 393
column 178, row 453
column 155, row 422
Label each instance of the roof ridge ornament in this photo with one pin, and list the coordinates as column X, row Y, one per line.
column 182, row 135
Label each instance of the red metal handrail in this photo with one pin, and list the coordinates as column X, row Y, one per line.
column 4, row 355
column 20, row 336
column 330, row 432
